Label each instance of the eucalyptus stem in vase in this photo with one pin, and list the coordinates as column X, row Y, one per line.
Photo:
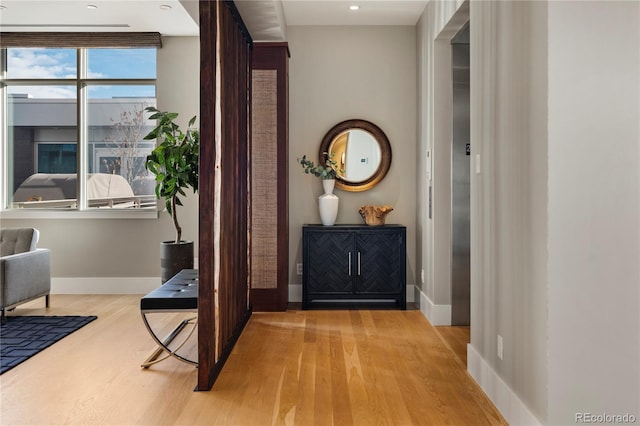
column 328, row 171
column 327, row 202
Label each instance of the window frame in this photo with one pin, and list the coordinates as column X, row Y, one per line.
column 82, row 84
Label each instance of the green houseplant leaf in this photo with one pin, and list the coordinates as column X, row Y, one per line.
column 174, row 162
column 328, row 171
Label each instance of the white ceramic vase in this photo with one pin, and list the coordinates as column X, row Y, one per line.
column 328, row 203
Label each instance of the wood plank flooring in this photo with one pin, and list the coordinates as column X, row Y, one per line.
column 456, row 338
column 357, row 367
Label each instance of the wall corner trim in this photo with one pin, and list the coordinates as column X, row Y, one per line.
column 295, row 293
column 506, row 401
column 436, row 314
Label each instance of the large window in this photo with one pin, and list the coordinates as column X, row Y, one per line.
column 73, row 124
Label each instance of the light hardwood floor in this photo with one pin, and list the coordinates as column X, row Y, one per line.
column 363, row 367
column 456, row 338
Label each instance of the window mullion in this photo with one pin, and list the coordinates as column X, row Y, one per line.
column 82, row 146
column 4, row 140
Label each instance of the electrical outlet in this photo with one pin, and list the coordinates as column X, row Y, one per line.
column 422, row 276
column 299, row 268
column 500, row 347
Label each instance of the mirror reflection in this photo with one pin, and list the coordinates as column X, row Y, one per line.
column 362, row 151
column 357, row 153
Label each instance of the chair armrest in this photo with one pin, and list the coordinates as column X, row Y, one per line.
column 24, row 276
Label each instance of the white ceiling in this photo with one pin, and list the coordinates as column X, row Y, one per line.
column 110, row 15
column 336, row 12
column 266, row 19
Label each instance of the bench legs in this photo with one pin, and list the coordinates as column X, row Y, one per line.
column 163, row 344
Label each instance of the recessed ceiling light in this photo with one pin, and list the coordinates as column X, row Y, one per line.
column 92, row 6
column 354, row 7
column 165, row 7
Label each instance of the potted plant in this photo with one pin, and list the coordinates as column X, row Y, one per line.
column 327, row 202
column 174, row 162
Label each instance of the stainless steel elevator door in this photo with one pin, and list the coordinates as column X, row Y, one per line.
column 460, row 181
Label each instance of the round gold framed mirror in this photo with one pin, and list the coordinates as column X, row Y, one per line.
column 362, row 152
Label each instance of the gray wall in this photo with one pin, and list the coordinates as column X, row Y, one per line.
column 556, row 205
column 509, row 196
column 338, row 73
column 438, row 24
column 594, row 209
column 129, row 247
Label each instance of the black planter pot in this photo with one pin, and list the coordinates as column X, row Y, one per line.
column 175, row 257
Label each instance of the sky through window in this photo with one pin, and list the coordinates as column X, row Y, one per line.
column 35, row 63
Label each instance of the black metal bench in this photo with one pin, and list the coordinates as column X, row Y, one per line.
column 178, row 294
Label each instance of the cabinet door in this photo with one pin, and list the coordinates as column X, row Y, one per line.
column 330, row 256
column 379, row 262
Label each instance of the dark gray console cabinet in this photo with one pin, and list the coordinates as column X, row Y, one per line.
column 354, row 265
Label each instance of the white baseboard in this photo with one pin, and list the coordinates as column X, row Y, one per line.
column 506, row 401
column 411, row 293
column 295, row 293
column 143, row 285
column 104, row 285
column 436, row 314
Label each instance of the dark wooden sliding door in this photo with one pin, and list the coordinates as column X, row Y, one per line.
column 225, row 78
column 269, row 191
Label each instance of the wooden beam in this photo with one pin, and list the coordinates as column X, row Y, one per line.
column 206, row 194
column 224, row 189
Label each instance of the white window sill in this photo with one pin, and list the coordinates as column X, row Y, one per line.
column 77, row 214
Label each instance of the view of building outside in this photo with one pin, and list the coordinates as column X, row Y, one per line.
column 42, row 127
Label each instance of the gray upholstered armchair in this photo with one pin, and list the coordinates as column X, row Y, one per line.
column 25, row 271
